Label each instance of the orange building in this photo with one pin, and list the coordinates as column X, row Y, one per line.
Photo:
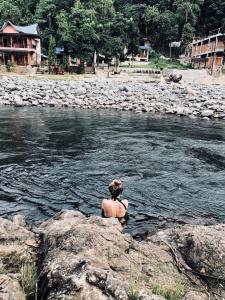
column 208, row 52
column 21, row 45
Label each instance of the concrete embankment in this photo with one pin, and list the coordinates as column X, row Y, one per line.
column 203, row 101
column 71, row 256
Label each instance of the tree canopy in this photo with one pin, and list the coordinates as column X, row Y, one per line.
column 108, row 26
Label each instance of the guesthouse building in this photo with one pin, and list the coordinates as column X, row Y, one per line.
column 21, row 45
column 208, row 52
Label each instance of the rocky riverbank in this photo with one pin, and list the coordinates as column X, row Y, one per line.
column 203, row 101
column 75, row 257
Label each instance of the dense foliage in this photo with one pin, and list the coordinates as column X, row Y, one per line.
column 107, row 26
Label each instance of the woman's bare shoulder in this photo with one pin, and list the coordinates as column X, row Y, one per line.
column 104, row 202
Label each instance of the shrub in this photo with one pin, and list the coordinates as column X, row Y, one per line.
column 29, row 277
column 172, row 292
column 136, row 283
column 2, row 268
column 81, row 68
column 9, row 66
column 133, row 295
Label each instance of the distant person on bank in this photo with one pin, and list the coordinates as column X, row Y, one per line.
column 115, row 207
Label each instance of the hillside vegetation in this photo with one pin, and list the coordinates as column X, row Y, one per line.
column 106, row 26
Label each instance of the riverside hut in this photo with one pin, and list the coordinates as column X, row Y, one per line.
column 144, row 51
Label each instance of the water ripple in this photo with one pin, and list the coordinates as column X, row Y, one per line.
column 173, row 169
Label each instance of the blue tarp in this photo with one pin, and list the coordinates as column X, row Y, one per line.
column 59, row 50
column 145, row 47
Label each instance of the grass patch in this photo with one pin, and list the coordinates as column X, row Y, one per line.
column 133, row 295
column 135, row 66
column 157, row 63
column 172, row 292
column 29, row 277
column 167, row 63
column 136, row 283
column 2, row 268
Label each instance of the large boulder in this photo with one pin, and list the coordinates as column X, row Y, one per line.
column 202, row 247
column 17, row 245
column 90, row 258
column 201, row 251
column 10, row 289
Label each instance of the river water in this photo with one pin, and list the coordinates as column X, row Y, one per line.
column 172, row 168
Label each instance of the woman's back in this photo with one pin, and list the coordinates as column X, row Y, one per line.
column 114, row 208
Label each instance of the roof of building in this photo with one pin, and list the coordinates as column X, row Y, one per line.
column 146, row 47
column 59, row 50
column 207, row 38
column 29, row 29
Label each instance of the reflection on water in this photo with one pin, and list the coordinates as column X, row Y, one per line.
column 173, row 169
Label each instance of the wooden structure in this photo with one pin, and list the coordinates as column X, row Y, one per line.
column 144, row 51
column 208, row 52
column 21, row 45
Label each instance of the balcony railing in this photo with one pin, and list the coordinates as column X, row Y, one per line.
column 15, row 45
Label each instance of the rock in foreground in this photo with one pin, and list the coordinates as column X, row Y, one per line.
column 90, row 258
column 17, row 249
column 80, row 258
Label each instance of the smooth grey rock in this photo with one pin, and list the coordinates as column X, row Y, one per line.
column 207, row 113
column 19, row 220
column 11, row 86
column 80, row 90
column 18, row 101
column 123, row 89
column 10, row 288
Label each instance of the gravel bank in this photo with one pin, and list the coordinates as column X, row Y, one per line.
column 201, row 101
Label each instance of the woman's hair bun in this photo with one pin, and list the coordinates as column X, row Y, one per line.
column 116, row 187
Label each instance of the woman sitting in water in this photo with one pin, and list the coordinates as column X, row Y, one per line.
column 114, row 207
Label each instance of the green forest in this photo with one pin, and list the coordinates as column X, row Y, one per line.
column 107, row 26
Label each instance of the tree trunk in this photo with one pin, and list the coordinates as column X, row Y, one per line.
column 98, row 60
column 117, row 64
column 49, row 22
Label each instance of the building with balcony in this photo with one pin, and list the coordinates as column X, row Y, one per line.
column 208, row 52
column 21, row 45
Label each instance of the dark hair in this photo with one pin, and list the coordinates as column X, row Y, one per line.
column 115, row 188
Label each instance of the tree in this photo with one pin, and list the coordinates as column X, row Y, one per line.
column 212, row 16
column 45, row 14
column 86, row 26
column 133, row 37
column 188, row 33
column 9, row 11
column 51, row 53
column 81, row 27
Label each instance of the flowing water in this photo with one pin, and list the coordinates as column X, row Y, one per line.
column 172, row 169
